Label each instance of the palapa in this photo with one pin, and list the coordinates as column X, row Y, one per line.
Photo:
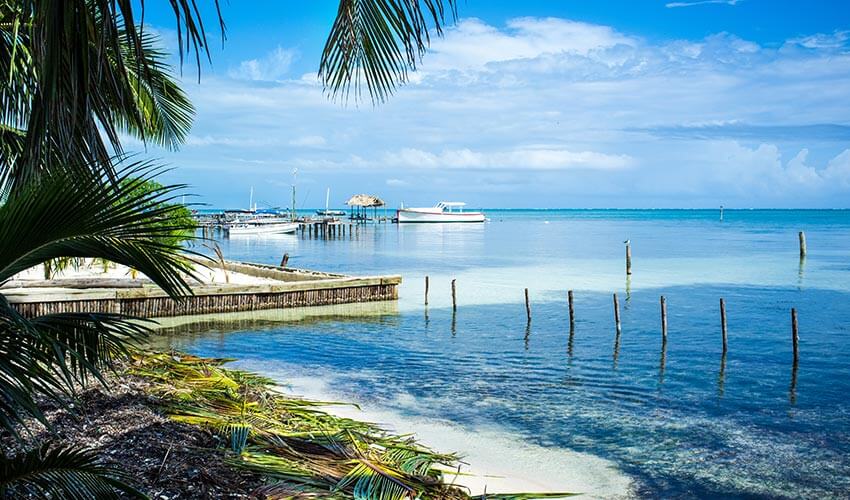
column 364, row 200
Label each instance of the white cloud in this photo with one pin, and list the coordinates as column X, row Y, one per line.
column 397, row 183
column 838, row 170
column 835, row 40
column 472, row 44
column 533, row 158
column 556, row 110
column 273, row 66
column 210, row 140
column 308, row 141
column 672, row 5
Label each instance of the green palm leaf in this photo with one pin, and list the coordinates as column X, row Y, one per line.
column 62, row 472
column 47, row 355
column 84, row 344
column 25, row 370
column 65, row 216
column 74, row 78
column 165, row 111
column 376, row 42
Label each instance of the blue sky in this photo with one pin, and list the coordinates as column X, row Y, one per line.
column 677, row 103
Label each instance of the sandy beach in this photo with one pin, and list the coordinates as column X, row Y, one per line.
column 494, row 461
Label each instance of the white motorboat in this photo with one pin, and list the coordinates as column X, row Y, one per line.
column 262, row 226
column 445, row 211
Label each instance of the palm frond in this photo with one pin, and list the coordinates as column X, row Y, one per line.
column 64, row 216
column 62, row 472
column 306, row 452
column 25, row 370
column 376, row 42
column 46, row 356
column 84, row 344
column 75, row 78
column 165, row 111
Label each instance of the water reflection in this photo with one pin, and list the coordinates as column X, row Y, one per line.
column 792, row 389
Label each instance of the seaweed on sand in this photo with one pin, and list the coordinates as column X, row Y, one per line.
column 303, row 451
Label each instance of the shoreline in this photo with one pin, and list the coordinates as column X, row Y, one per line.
column 178, row 414
column 492, row 459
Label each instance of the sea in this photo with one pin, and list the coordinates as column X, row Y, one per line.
column 583, row 407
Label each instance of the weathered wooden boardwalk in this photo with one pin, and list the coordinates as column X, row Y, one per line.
column 282, row 288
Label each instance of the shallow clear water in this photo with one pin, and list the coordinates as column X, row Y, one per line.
column 680, row 420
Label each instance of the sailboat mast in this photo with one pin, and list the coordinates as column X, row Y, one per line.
column 327, row 200
column 251, row 199
column 294, row 181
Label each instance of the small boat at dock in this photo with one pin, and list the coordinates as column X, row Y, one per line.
column 445, row 211
column 327, row 212
column 330, row 213
column 261, row 226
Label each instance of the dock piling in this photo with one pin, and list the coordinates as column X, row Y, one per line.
column 803, row 249
column 285, row 260
column 617, row 315
column 723, row 324
column 427, row 286
column 664, row 319
column 454, row 296
column 527, row 306
column 795, row 336
column 628, row 258
column 572, row 310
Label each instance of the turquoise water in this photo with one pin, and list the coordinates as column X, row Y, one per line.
column 680, row 421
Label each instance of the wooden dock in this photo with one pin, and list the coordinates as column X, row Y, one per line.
column 282, row 288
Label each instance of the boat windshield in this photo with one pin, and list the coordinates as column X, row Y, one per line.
column 451, row 206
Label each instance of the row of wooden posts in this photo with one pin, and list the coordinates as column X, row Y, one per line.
column 795, row 337
column 328, row 230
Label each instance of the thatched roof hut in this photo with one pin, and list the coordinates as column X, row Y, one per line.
column 364, row 200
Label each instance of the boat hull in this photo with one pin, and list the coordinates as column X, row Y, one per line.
column 272, row 228
column 406, row 216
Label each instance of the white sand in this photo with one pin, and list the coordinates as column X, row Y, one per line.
column 495, row 461
column 115, row 271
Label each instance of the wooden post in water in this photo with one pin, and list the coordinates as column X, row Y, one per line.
column 527, row 306
column 617, row 315
column 285, row 260
column 664, row 318
column 628, row 258
column 427, row 285
column 723, row 324
column 721, row 213
column 802, row 236
column 795, row 337
column 454, row 296
column 572, row 310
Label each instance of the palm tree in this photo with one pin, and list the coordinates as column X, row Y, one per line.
column 72, row 70
column 75, row 75
column 60, row 215
column 63, row 194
